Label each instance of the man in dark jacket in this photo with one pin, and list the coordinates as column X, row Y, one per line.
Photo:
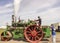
column 39, row 19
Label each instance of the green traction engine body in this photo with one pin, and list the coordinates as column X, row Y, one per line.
column 16, row 30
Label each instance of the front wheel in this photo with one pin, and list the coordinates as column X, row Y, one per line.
column 6, row 36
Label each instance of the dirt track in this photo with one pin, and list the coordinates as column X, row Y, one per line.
column 12, row 41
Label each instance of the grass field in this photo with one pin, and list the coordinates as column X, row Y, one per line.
column 1, row 30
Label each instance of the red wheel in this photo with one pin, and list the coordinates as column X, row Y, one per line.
column 33, row 33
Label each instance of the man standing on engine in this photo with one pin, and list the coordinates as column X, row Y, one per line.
column 39, row 19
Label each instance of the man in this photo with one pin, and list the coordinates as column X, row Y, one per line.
column 39, row 21
column 53, row 34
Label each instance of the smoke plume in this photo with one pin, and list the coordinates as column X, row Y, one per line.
column 16, row 6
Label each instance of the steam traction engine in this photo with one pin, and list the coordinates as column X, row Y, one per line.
column 23, row 30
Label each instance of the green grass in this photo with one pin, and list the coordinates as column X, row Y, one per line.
column 1, row 30
column 57, row 32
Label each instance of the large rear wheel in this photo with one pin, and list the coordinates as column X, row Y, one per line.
column 33, row 33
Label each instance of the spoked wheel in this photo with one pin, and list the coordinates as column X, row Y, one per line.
column 6, row 36
column 33, row 33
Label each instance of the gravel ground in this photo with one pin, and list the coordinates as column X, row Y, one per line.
column 58, row 37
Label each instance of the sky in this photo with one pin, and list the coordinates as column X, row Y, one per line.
column 48, row 10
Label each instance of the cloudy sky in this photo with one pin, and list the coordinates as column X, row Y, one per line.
column 48, row 10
